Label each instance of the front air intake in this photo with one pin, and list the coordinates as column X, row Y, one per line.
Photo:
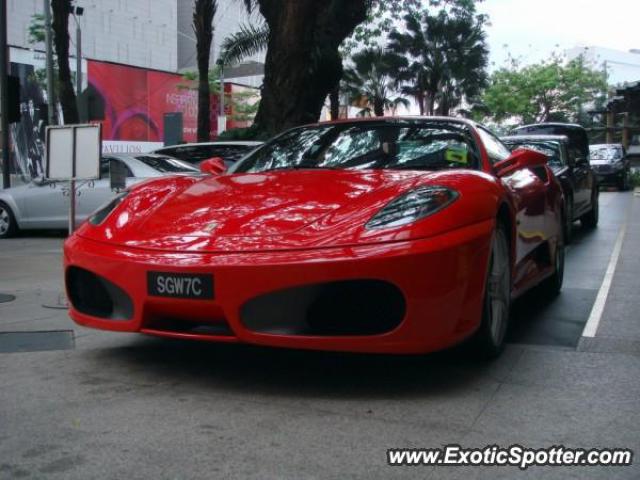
column 94, row 295
column 344, row 308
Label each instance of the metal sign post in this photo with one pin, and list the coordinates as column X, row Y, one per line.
column 73, row 154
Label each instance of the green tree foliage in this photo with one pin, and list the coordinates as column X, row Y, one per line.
column 549, row 90
column 246, row 42
column 36, row 32
column 244, row 103
column 385, row 16
column 370, row 80
column 447, row 55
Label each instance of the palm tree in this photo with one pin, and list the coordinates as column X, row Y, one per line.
column 370, row 80
column 61, row 10
column 203, row 13
column 447, row 58
column 246, row 42
column 467, row 63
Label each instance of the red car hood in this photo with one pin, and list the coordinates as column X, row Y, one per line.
column 276, row 210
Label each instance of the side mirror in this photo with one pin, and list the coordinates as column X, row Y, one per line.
column 213, row 166
column 519, row 160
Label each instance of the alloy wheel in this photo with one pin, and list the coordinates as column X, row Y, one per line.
column 498, row 288
column 5, row 221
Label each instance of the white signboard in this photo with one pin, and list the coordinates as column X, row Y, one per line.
column 73, row 152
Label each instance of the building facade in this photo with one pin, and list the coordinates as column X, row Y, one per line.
column 621, row 67
column 155, row 34
column 134, row 53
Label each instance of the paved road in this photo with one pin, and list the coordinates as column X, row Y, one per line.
column 125, row 406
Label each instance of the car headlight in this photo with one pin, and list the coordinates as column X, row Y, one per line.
column 618, row 165
column 103, row 212
column 412, row 206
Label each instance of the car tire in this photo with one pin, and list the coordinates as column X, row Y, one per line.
column 627, row 181
column 553, row 284
column 623, row 182
column 568, row 221
column 8, row 225
column 590, row 219
column 488, row 341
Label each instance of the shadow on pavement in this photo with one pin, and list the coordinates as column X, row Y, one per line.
column 540, row 319
column 287, row 373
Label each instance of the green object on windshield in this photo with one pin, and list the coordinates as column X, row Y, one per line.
column 457, row 155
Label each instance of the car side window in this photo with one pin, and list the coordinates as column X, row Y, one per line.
column 108, row 167
column 567, row 158
column 172, row 152
column 496, row 150
column 574, row 154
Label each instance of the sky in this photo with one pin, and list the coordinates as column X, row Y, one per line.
column 532, row 29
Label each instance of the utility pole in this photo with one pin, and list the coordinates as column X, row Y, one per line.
column 4, row 110
column 77, row 12
column 51, row 97
column 4, row 95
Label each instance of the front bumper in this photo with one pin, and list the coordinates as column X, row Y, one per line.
column 440, row 279
column 606, row 174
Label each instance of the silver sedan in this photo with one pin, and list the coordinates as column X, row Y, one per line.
column 43, row 204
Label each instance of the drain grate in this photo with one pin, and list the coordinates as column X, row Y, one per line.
column 12, row 342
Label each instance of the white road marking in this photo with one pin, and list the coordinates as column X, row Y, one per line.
column 591, row 327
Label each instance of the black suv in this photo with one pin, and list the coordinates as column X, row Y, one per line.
column 611, row 164
column 567, row 146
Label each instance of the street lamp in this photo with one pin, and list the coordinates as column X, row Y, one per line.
column 222, row 119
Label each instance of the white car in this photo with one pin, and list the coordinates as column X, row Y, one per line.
column 43, row 204
column 196, row 153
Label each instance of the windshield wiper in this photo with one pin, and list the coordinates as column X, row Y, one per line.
column 301, row 167
column 313, row 166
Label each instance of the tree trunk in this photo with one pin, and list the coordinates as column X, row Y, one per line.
column 420, row 101
column 203, row 13
column 303, row 64
column 431, row 104
column 378, row 107
column 443, row 107
column 334, row 100
column 60, row 25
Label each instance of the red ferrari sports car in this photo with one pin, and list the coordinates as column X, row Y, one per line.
column 395, row 235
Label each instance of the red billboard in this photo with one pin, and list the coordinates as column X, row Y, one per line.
column 136, row 100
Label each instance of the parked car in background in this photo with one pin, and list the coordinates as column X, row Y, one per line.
column 611, row 164
column 44, row 204
column 195, row 153
column 586, row 192
column 577, row 183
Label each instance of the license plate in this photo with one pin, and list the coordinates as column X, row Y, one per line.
column 180, row 285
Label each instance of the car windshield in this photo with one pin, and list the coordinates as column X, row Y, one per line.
column 548, row 148
column 605, row 152
column 166, row 164
column 423, row 146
